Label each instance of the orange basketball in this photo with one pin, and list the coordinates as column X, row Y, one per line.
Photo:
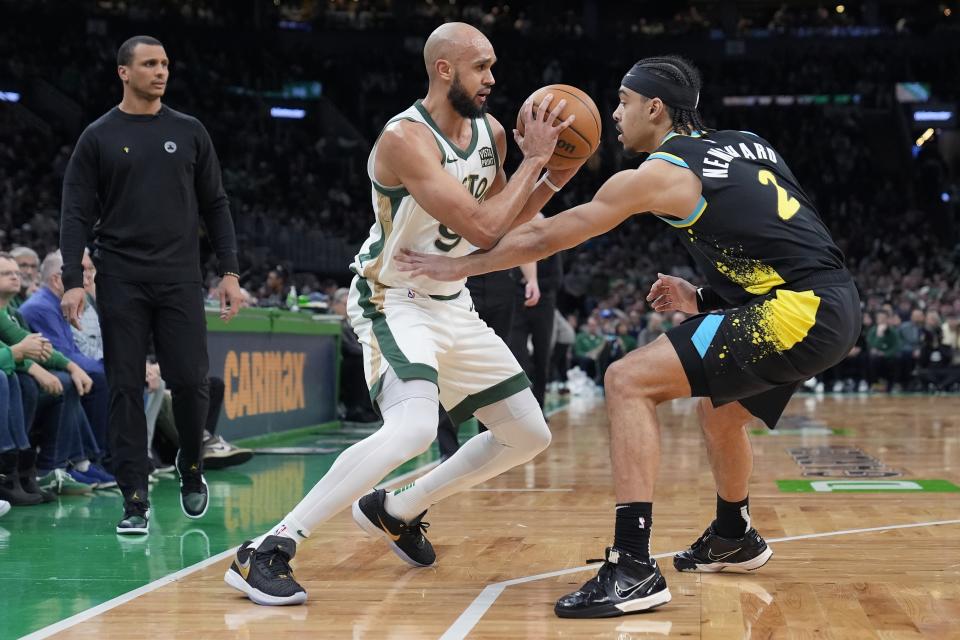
column 580, row 139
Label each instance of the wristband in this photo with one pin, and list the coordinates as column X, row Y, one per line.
column 230, row 273
column 708, row 300
column 546, row 180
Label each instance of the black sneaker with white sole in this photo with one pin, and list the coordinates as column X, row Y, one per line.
column 194, row 494
column 136, row 518
column 712, row 553
column 406, row 539
column 264, row 574
column 623, row 585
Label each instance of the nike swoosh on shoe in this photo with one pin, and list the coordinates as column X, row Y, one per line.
column 629, row 592
column 722, row 556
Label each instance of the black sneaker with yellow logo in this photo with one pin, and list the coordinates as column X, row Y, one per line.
column 405, row 538
column 263, row 573
column 136, row 515
column 194, row 495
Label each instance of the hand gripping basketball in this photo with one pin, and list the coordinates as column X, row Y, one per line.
column 537, row 133
column 577, row 142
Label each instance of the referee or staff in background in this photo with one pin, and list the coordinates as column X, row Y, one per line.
column 536, row 304
column 142, row 176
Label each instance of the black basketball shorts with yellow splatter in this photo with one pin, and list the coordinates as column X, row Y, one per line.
column 759, row 353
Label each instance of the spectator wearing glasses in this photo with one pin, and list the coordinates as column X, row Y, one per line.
column 62, row 442
column 29, row 264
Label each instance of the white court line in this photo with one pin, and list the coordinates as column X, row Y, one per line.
column 476, row 610
column 85, row 615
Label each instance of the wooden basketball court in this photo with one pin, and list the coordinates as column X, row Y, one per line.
column 849, row 561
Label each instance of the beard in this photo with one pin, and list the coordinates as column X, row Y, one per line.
column 462, row 102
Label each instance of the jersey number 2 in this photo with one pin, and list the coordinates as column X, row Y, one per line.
column 787, row 205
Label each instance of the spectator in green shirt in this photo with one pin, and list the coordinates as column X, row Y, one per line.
column 29, row 263
column 884, row 343
column 51, row 386
column 588, row 346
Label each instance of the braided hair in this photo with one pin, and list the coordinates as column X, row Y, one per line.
column 681, row 71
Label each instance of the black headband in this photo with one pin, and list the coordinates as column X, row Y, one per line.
column 651, row 85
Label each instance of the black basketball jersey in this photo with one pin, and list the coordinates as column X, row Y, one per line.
column 754, row 228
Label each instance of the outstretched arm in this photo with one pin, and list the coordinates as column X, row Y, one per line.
column 541, row 193
column 655, row 186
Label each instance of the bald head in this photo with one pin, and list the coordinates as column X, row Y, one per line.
column 453, row 42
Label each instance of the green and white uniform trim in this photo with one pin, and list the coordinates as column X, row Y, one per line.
column 422, row 329
column 444, row 341
column 402, row 223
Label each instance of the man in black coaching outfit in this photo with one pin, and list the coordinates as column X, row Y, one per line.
column 142, row 176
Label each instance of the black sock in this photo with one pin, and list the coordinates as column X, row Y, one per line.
column 632, row 532
column 733, row 518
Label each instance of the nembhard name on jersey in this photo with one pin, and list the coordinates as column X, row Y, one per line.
column 716, row 164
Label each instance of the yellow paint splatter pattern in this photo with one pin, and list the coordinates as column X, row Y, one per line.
column 754, row 276
column 777, row 324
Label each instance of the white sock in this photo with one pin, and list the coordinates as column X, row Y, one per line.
column 82, row 466
column 517, row 433
column 409, row 427
column 402, row 503
column 289, row 527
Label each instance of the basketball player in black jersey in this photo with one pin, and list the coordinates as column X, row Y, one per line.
column 778, row 306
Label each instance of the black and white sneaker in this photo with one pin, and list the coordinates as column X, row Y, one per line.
column 712, row 553
column 406, row 539
column 219, row 454
column 623, row 585
column 263, row 573
column 194, row 494
column 136, row 517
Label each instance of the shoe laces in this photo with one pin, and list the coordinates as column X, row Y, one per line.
column 193, row 483
column 274, row 563
column 135, row 508
column 593, row 585
column 417, row 527
column 59, row 476
column 215, row 442
column 703, row 537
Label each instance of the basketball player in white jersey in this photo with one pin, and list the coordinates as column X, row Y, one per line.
column 438, row 186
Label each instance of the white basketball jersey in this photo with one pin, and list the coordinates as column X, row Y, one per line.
column 401, row 223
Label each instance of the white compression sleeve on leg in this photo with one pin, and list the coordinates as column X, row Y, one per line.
column 410, row 410
column 517, row 433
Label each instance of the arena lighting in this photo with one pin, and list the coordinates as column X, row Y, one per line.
column 926, row 135
column 912, row 91
column 789, row 100
column 286, row 113
column 9, row 96
column 841, row 8
column 932, row 116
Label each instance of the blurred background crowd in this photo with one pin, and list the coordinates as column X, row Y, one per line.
column 293, row 112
